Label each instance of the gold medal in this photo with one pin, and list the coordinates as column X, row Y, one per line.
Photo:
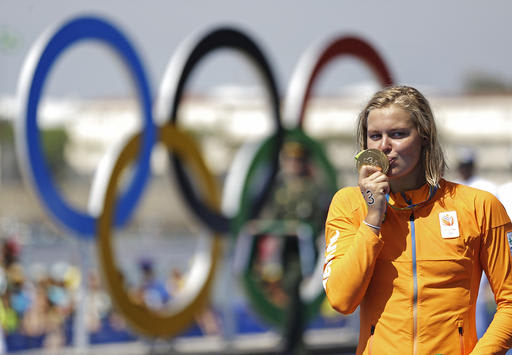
column 373, row 157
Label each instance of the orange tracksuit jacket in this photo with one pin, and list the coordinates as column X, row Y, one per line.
column 416, row 282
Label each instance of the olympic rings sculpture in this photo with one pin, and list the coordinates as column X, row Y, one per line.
column 116, row 210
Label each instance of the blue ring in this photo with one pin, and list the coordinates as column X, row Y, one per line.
column 80, row 29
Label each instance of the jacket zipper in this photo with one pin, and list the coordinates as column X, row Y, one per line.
column 461, row 340
column 370, row 341
column 415, row 286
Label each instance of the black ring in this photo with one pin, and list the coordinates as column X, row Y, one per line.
column 231, row 39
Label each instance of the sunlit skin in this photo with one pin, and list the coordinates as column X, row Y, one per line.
column 391, row 130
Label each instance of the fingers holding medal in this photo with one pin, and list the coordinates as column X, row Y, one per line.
column 373, row 183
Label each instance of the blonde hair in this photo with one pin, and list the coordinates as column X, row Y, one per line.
column 412, row 101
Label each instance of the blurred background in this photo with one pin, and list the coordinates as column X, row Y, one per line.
column 54, row 296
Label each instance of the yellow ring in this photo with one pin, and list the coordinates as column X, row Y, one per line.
column 194, row 296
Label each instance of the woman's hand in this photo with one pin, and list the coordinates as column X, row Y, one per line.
column 374, row 186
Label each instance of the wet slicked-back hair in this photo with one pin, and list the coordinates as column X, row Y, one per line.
column 412, row 101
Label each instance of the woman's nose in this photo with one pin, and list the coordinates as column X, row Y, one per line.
column 385, row 144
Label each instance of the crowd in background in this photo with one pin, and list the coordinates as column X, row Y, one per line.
column 38, row 303
column 35, row 305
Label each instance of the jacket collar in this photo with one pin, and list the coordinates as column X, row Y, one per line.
column 408, row 198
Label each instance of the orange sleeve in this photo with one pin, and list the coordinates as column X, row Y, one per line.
column 496, row 260
column 351, row 251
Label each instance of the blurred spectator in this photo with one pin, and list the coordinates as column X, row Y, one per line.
column 298, row 194
column 19, row 298
column 467, row 167
column 505, row 190
column 10, row 252
column 206, row 318
column 151, row 292
column 61, row 306
column 34, row 322
column 269, row 266
column 300, row 197
column 287, row 233
column 505, row 196
column 98, row 302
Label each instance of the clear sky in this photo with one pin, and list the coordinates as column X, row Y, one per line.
column 432, row 44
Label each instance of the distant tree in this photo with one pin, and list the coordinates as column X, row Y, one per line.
column 6, row 131
column 9, row 169
column 53, row 142
column 485, row 83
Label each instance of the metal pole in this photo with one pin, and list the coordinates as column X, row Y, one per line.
column 80, row 333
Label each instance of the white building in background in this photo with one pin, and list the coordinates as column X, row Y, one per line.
column 224, row 123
